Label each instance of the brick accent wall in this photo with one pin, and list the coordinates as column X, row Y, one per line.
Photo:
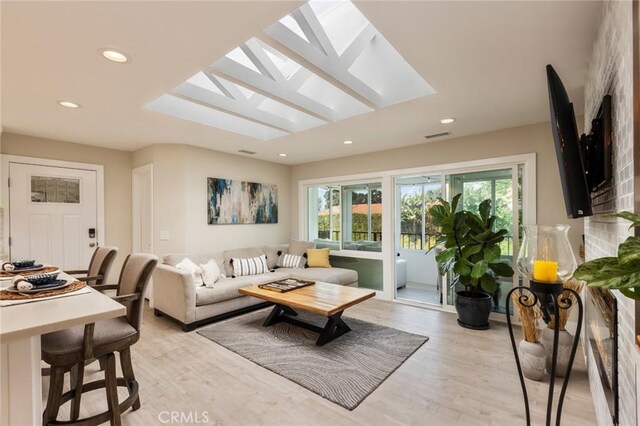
column 610, row 72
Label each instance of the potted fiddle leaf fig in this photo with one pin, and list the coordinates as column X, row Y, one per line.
column 470, row 252
column 617, row 273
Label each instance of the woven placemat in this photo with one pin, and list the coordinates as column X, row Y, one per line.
column 45, row 270
column 7, row 295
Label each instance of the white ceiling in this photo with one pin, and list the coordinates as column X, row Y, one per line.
column 485, row 60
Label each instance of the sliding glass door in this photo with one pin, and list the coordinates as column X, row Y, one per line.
column 416, row 273
column 504, row 188
column 417, row 278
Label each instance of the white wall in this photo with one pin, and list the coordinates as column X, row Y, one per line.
column 180, row 204
column 169, row 202
column 202, row 237
column 610, row 72
column 421, row 267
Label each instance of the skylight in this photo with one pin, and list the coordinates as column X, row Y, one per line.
column 348, row 68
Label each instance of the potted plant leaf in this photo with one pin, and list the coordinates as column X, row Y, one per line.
column 471, row 254
column 621, row 272
column 617, row 273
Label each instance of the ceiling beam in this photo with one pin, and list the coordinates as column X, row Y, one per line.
column 330, row 61
column 244, row 107
column 228, row 93
column 312, row 29
column 275, row 88
column 357, row 46
column 266, row 93
column 265, row 38
column 228, row 111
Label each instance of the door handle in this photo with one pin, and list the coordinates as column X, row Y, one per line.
column 92, row 245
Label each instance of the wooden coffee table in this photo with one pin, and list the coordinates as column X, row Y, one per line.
column 325, row 299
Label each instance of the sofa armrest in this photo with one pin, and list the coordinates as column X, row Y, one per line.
column 174, row 293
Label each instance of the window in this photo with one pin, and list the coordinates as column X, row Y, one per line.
column 362, row 221
column 347, row 217
column 46, row 189
column 324, row 216
column 417, row 196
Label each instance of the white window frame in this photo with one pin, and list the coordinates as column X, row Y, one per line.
column 398, row 195
column 306, row 212
column 529, row 194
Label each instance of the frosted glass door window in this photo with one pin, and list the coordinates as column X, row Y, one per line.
column 47, row 189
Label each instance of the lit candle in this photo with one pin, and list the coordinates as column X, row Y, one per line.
column 545, row 271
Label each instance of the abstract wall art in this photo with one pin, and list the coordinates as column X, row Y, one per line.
column 238, row 202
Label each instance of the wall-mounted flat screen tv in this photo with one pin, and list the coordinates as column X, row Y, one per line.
column 597, row 148
column 584, row 161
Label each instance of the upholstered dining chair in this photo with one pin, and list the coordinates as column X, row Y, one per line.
column 69, row 349
column 99, row 266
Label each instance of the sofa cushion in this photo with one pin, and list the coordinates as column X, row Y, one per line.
column 318, row 258
column 244, row 253
column 189, row 266
column 291, row 261
column 199, row 259
column 227, row 288
column 210, row 272
column 252, row 266
column 299, row 248
column 272, row 253
column 328, row 275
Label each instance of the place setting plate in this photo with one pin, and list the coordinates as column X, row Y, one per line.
column 25, row 266
column 33, row 268
column 44, row 282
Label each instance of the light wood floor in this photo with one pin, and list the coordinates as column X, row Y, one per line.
column 459, row 377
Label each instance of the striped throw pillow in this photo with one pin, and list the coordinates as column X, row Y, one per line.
column 252, row 266
column 291, row 261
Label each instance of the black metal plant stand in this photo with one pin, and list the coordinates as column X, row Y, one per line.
column 551, row 300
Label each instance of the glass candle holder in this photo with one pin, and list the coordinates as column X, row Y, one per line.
column 545, row 255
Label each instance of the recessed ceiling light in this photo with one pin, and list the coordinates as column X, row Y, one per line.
column 114, row 55
column 447, row 120
column 347, row 142
column 282, row 155
column 69, row 104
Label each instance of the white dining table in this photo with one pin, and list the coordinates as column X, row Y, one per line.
column 21, row 326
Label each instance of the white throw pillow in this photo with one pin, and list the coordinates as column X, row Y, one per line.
column 187, row 264
column 252, row 266
column 210, row 273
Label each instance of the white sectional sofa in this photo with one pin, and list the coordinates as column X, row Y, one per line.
column 175, row 295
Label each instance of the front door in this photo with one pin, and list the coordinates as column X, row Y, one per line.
column 52, row 214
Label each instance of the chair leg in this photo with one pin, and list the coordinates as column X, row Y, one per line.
column 53, row 398
column 77, row 380
column 102, row 364
column 127, row 372
column 111, row 386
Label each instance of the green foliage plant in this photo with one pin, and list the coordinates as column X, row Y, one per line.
column 618, row 273
column 471, row 247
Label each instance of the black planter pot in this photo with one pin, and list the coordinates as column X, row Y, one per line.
column 473, row 309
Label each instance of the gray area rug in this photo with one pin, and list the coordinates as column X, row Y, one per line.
column 344, row 371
